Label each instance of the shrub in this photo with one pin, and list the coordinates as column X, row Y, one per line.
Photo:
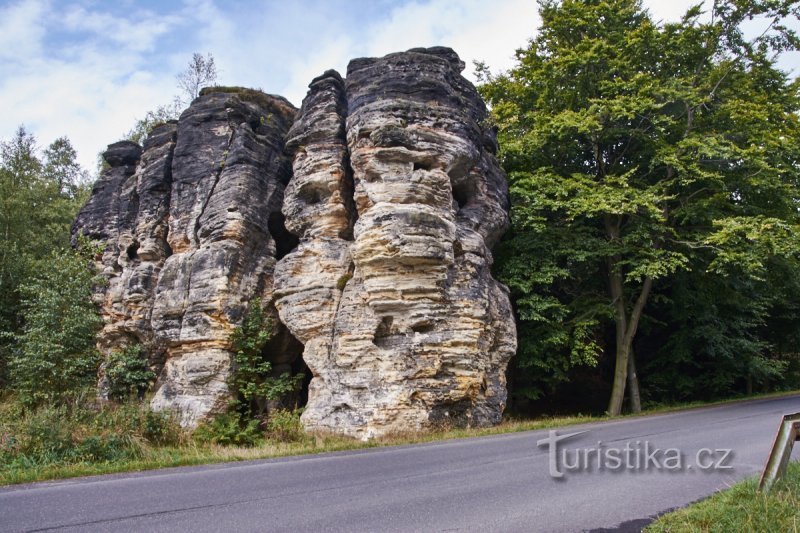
column 160, row 427
column 250, row 381
column 54, row 358
column 230, row 428
column 252, row 386
column 284, row 425
column 68, row 434
column 127, row 373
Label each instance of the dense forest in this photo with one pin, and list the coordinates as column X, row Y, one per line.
column 653, row 256
column 654, row 177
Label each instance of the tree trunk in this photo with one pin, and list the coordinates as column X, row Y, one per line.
column 620, row 376
column 634, row 397
column 625, row 326
column 617, row 289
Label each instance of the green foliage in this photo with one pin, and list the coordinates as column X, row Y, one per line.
column 253, row 384
column 638, row 154
column 160, row 115
column 54, row 358
column 251, row 379
column 39, row 197
column 81, row 433
column 230, row 429
column 745, row 244
column 284, row 426
column 716, row 336
column 233, row 428
column 127, row 373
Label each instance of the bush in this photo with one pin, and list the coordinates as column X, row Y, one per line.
column 127, row 373
column 252, row 385
column 61, row 434
column 231, row 428
column 54, row 358
column 250, row 381
column 284, row 425
column 160, row 427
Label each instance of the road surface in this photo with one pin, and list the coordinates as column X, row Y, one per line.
column 498, row 483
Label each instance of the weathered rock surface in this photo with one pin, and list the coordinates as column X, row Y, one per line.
column 403, row 326
column 128, row 210
column 189, row 242
column 387, row 184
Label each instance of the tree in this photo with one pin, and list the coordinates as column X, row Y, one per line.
column 201, row 72
column 252, row 381
column 160, row 115
column 61, row 167
column 631, row 148
column 39, row 198
column 54, row 356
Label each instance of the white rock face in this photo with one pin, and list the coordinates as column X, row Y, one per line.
column 391, row 294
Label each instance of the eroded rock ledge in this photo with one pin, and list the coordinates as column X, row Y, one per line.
column 366, row 219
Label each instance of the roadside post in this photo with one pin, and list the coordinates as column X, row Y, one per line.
column 788, row 434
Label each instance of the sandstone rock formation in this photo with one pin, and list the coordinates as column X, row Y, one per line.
column 389, row 183
column 191, row 227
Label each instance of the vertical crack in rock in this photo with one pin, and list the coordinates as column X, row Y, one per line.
column 403, row 326
column 185, row 262
column 228, row 179
column 213, row 186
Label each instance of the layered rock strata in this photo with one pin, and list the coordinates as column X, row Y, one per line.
column 191, row 226
column 391, row 293
column 366, row 219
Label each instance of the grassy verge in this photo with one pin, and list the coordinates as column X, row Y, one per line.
column 190, row 452
column 126, row 440
column 741, row 508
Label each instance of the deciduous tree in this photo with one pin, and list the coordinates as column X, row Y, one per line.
column 631, row 147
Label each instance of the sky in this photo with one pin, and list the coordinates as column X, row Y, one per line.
column 88, row 69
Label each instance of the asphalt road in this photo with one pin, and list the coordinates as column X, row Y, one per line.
column 499, row 483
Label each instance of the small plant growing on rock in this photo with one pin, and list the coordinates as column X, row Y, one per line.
column 342, row 281
column 251, row 381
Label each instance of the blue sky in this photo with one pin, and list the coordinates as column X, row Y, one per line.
column 88, row 69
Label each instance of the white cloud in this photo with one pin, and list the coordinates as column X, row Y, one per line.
column 139, row 34
column 477, row 30
column 21, row 30
column 90, row 92
column 334, row 55
column 83, row 70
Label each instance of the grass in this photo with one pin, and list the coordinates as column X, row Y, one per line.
column 143, row 454
column 190, row 452
column 741, row 508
